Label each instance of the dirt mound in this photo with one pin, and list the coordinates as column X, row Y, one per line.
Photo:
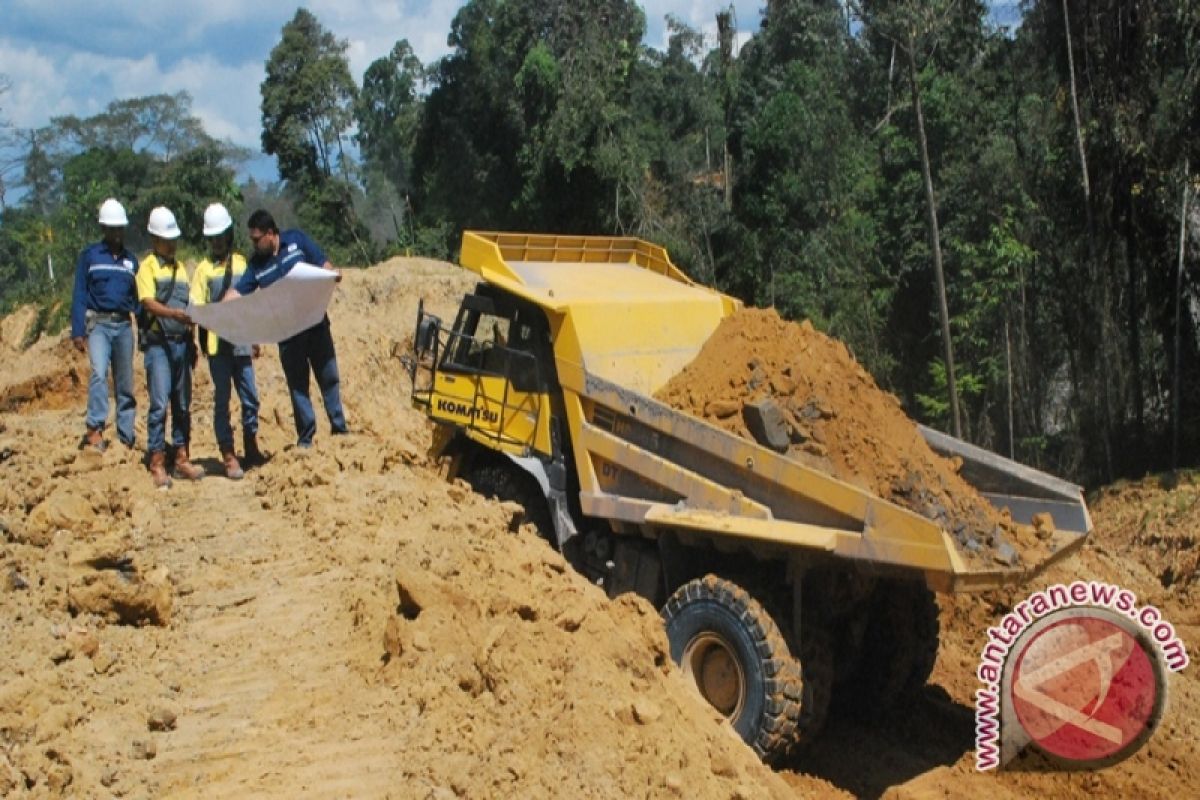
column 108, row 580
column 1157, row 521
column 49, row 375
column 517, row 677
column 341, row 623
column 834, row 418
column 16, row 329
column 344, row 622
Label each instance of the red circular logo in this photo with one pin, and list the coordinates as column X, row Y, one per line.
column 1087, row 686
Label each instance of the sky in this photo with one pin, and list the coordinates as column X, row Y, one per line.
column 76, row 56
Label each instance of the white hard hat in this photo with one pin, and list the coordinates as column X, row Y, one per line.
column 216, row 220
column 112, row 214
column 162, row 223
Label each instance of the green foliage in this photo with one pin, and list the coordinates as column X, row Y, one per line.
column 788, row 173
column 308, row 103
column 161, row 125
column 71, row 166
column 934, row 406
column 528, row 124
column 388, row 112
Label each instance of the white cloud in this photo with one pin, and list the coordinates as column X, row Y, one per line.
column 372, row 27
column 38, row 89
column 701, row 15
column 225, row 114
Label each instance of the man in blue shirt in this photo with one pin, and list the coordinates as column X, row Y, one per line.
column 105, row 296
column 275, row 254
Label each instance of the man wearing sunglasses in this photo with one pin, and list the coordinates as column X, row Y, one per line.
column 275, row 253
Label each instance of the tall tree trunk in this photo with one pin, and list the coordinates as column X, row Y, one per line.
column 1176, row 382
column 936, row 243
column 726, row 33
column 1134, row 329
column 1087, row 187
column 1099, row 307
column 1008, row 375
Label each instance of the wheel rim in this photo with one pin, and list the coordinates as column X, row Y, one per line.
column 713, row 667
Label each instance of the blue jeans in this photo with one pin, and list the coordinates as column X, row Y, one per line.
column 168, row 379
column 227, row 369
column 111, row 343
column 312, row 348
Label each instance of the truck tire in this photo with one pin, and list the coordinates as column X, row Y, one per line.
column 502, row 480
column 817, row 671
column 926, row 632
column 733, row 652
column 899, row 646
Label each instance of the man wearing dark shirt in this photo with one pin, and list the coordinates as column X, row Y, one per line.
column 105, row 296
column 275, row 253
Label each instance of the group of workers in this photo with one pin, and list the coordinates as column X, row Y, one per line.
column 113, row 290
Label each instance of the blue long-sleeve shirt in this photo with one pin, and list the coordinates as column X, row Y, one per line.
column 294, row 248
column 103, row 282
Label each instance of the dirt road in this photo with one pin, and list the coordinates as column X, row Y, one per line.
column 344, row 623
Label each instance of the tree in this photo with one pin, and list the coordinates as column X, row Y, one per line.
column 308, row 101
column 162, row 125
column 1136, row 90
column 68, row 167
column 805, row 181
column 41, row 177
column 528, row 123
column 674, row 191
column 388, row 112
column 8, row 165
column 913, row 28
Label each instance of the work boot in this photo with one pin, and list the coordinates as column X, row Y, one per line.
column 158, row 470
column 253, row 457
column 233, row 470
column 94, row 439
column 186, row 469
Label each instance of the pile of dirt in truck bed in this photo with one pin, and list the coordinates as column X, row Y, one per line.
column 835, row 418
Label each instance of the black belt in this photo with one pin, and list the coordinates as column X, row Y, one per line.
column 154, row 337
column 112, row 316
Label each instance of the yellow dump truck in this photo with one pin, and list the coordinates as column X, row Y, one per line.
column 777, row 582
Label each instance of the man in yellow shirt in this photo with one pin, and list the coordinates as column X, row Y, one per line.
column 169, row 349
column 227, row 363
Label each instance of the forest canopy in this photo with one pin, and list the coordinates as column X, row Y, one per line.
column 998, row 223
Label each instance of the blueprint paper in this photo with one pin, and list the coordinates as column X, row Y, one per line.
column 294, row 303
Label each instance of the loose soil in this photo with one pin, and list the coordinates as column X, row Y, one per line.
column 838, row 421
column 345, row 623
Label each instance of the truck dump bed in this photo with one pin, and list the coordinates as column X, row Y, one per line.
column 618, row 307
column 624, row 320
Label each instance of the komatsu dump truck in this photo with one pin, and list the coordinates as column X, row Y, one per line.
column 777, row 583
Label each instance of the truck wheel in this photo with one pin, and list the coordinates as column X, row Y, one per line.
column 926, row 631
column 899, row 646
column 505, row 482
column 817, row 669
column 733, row 652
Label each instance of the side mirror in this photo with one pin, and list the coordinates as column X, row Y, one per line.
column 427, row 331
